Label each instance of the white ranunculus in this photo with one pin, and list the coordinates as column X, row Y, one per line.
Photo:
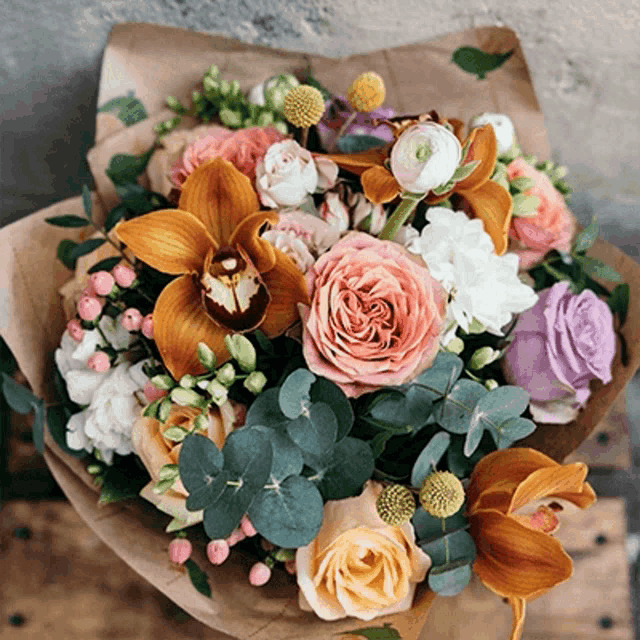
column 366, row 215
column 107, row 422
column 319, row 236
column 502, row 126
column 483, row 286
column 292, row 246
column 288, row 173
column 335, row 212
column 424, row 157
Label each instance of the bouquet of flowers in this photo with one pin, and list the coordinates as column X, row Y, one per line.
column 319, row 335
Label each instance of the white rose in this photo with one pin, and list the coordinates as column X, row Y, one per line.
column 424, row 157
column 292, row 246
column 318, row 235
column 502, row 126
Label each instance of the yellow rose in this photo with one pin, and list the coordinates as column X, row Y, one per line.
column 156, row 451
column 358, row 565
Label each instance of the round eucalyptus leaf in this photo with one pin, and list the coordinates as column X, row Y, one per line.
column 455, row 411
column 429, row 457
column 287, row 456
column 449, row 581
column 207, row 495
column 200, row 462
column 511, row 430
column 323, row 390
column 428, row 527
column 289, row 516
column 419, row 406
column 461, row 465
column 441, row 375
column 461, row 548
column 294, row 396
column 315, row 432
column 265, row 411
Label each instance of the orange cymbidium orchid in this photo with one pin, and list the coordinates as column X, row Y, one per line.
column 517, row 557
column 230, row 279
column 487, row 200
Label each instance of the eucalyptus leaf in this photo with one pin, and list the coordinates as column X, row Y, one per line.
column 449, row 580
column 478, row 62
column 357, row 143
column 441, row 376
column 200, row 462
column 57, row 418
column 387, row 632
column 287, row 456
column 511, row 430
column 289, row 515
column 428, row 527
column 294, row 396
column 456, row 409
column 323, row 390
column 429, row 457
column 127, row 108
column 587, row 237
column 265, row 411
column 315, row 433
column 208, row 495
column 68, row 221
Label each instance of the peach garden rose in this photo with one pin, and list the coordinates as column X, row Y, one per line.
column 552, row 227
column 357, row 565
column 375, row 315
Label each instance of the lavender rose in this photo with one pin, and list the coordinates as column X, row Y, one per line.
column 560, row 345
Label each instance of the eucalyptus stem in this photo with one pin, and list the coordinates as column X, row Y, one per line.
column 401, row 214
column 345, row 125
column 446, row 542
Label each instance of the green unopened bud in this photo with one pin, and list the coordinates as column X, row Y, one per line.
column 218, row 392
column 230, row 118
column 210, row 86
column 187, row 397
column 525, row 206
column 175, row 105
column 248, row 122
column 188, row 381
column 491, row 384
column 201, row 423
column 476, row 326
column 206, row 356
column 163, row 486
column 242, row 351
column 276, row 89
column 265, row 119
column 482, row 357
column 456, row 345
column 545, row 165
column 94, row 469
column 225, row 87
column 281, row 127
column 196, row 96
column 558, row 173
column 226, row 375
column 284, row 555
column 162, row 382
column 168, row 471
column 212, row 72
column 522, row 183
column 255, row 382
column 164, row 410
column 235, row 88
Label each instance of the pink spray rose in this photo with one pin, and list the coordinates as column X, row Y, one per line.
column 559, row 346
column 244, row 148
column 552, row 227
column 375, row 315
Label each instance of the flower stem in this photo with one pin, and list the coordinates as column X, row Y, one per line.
column 345, row 125
column 408, row 203
column 304, row 136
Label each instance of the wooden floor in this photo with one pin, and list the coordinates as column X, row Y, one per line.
column 59, row 582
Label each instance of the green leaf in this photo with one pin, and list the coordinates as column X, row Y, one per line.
column 125, row 168
column 64, row 253
column 248, row 458
column 290, row 515
column 375, row 633
column 175, row 434
column 315, row 432
column 19, row 398
column 86, row 247
column 343, row 473
column 8, row 363
column 428, row 528
column 87, row 202
column 441, row 376
column 511, row 430
column 323, row 390
column 115, row 215
column 127, row 108
column 429, row 457
column 457, row 546
column 598, row 269
column 265, row 411
column 619, row 302
column 122, row 481
column 464, row 171
column 449, row 580
column 68, row 221
column 264, row 343
column 478, row 62
column 454, row 413
column 104, row 265
column 357, row 143
column 461, row 465
column 198, row 578
column 587, row 237
column 200, row 463
column 287, row 456
column 294, row 396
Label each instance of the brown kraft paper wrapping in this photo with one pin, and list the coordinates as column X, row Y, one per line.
column 155, row 62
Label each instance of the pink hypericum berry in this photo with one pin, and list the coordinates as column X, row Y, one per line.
column 147, row 326
column 131, row 319
column 290, row 567
column 237, row 535
column 99, row 362
column 75, row 330
column 152, row 393
column 124, row 276
column 247, row 528
column 179, row 550
column 218, row 551
column 89, row 291
column 259, row 574
column 89, row 308
column 102, row 282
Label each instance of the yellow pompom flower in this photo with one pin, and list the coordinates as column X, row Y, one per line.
column 395, row 505
column 367, row 92
column 442, row 494
column 303, row 106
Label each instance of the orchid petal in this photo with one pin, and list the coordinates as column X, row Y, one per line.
column 358, row 163
column 170, row 240
column 180, row 322
column 220, row 197
column 483, row 149
column 379, row 185
column 246, row 234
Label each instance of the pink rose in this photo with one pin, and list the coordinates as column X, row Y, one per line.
column 552, row 227
column 559, row 346
column 375, row 315
column 244, row 148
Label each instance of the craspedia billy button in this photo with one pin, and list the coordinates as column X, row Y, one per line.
column 442, row 494
column 367, row 92
column 395, row 505
column 303, row 106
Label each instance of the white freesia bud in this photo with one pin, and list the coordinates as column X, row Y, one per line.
column 334, row 212
column 367, row 216
column 424, row 157
column 502, row 126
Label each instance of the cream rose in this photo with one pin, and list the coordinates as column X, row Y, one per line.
column 424, row 157
column 358, row 565
column 156, row 451
column 502, row 126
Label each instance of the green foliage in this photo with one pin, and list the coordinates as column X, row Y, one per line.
column 429, row 457
column 125, row 168
column 478, row 62
column 450, row 579
column 294, row 397
column 315, row 432
column 619, row 302
column 198, row 578
column 387, row 632
column 428, row 528
column 87, row 202
column 586, row 238
column 104, row 265
column 23, row 401
column 357, row 143
column 201, row 464
column 68, row 221
column 121, row 480
column 127, row 108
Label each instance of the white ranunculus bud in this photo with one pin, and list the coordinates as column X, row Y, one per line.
column 424, row 157
column 502, row 126
column 335, row 212
column 367, row 216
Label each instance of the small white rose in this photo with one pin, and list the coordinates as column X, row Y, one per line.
column 318, row 236
column 292, row 246
column 335, row 212
column 502, row 126
column 424, row 157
